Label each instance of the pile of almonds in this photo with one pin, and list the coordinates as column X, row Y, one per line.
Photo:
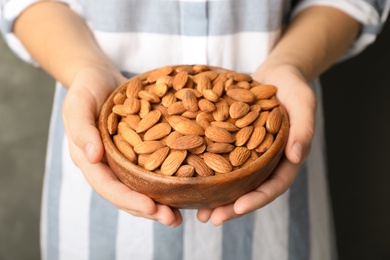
column 194, row 120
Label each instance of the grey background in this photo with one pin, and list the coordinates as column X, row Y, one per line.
column 357, row 111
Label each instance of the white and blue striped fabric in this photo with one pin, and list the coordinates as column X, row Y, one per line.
column 237, row 34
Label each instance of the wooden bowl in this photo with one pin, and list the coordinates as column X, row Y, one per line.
column 190, row 192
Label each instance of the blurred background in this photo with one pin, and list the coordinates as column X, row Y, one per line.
column 357, row 112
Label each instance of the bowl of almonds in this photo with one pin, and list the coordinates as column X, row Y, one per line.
column 193, row 136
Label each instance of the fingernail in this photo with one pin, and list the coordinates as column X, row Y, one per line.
column 297, row 152
column 90, row 151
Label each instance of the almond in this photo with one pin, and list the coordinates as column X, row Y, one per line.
column 200, row 166
column 219, row 135
column 266, row 144
column 217, row 162
column 187, row 68
column 125, row 148
column 238, row 109
column 156, row 159
column 225, row 125
column 203, row 83
column 145, row 108
column 189, row 128
column 148, row 147
column 128, row 134
column 190, row 102
column 260, row 121
column 210, row 95
column 157, row 131
column 148, row 121
column 220, row 148
column 119, row 98
column 268, row 104
column 180, row 93
column 242, row 95
column 121, row 110
column 206, row 105
column 247, row 119
column 239, row 156
column 180, row 80
column 243, row 135
column 148, row 96
column 154, row 75
column 190, row 114
column 159, row 89
column 236, row 76
column 132, row 121
column 222, row 111
column 133, row 104
column 200, row 68
column 256, row 138
column 173, row 162
column 264, row 91
column 200, row 149
column 274, row 121
column 176, row 108
column 168, row 99
column 112, row 123
column 185, row 171
column 187, row 142
column 133, row 87
column 172, row 137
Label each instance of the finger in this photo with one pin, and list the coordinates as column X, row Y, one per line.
column 168, row 216
column 274, row 186
column 301, row 111
column 107, row 185
column 204, row 215
column 79, row 116
column 222, row 214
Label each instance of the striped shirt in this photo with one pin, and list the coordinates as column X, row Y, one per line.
column 236, row 34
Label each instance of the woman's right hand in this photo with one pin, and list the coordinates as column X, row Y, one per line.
column 81, row 108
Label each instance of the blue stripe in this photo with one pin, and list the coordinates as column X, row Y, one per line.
column 299, row 233
column 175, row 17
column 103, row 224
column 54, row 176
column 5, row 26
column 237, row 238
column 168, row 242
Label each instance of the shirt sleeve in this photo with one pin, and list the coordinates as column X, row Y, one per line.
column 372, row 15
column 10, row 11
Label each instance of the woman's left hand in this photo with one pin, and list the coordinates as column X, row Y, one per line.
column 300, row 102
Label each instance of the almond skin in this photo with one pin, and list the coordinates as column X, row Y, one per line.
column 185, row 171
column 274, row 121
column 243, row 135
column 220, row 148
column 217, row 162
column 200, row 166
column 128, row 134
column 238, row 109
column 242, row 95
column 187, row 142
column 264, row 91
column 112, row 123
column 219, row 135
column 133, row 87
column 239, row 156
column 256, row 138
column 157, row 131
column 148, row 147
column 173, row 162
column 156, row 159
column 125, row 148
column 148, row 121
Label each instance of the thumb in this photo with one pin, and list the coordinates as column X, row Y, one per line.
column 79, row 115
column 302, row 127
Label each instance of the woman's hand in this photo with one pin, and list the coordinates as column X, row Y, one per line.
column 300, row 103
column 81, row 108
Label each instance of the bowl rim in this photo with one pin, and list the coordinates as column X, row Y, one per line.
column 110, row 148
